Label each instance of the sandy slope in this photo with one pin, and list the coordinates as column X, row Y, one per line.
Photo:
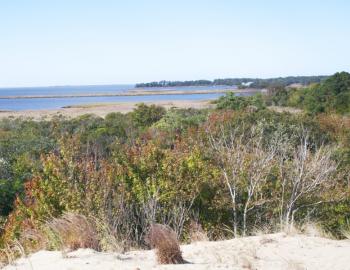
column 274, row 251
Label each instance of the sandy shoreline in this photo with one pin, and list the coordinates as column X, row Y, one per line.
column 140, row 92
column 101, row 109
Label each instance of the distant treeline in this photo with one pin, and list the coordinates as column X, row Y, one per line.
column 253, row 82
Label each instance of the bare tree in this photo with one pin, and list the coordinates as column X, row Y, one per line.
column 245, row 163
column 153, row 211
column 178, row 215
column 230, row 160
column 259, row 161
column 306, row 172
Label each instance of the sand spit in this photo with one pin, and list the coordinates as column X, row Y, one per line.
column 266, row 252
column 140, row 92
column 101, row 109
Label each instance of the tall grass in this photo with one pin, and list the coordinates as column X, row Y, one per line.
column 346, row 231
column 73, row 231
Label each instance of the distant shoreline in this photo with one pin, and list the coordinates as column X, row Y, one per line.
column 139, row 92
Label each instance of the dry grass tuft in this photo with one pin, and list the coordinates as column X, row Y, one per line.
column 11, row 252
column 346, row 232
column 74, row 231
column 197, row 233
column 315, row 230
column 110, row 240
column 164, row 240
column 294, row 265
column 291, row 230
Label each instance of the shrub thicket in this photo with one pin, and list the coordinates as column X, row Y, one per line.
column 231, row 170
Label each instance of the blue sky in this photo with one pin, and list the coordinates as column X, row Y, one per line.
column 69, row 42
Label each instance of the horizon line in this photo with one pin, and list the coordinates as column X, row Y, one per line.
column 114, row 84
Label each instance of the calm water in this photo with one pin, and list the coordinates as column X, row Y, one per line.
column 190, row 88
column 65, row 90
column 55, row 103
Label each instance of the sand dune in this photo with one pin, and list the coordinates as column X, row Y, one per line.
column 267, row 252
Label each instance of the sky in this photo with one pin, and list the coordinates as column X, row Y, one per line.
column 80, row 42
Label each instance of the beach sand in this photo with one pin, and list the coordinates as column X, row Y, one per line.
column 101, row 109
column 265, row 252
